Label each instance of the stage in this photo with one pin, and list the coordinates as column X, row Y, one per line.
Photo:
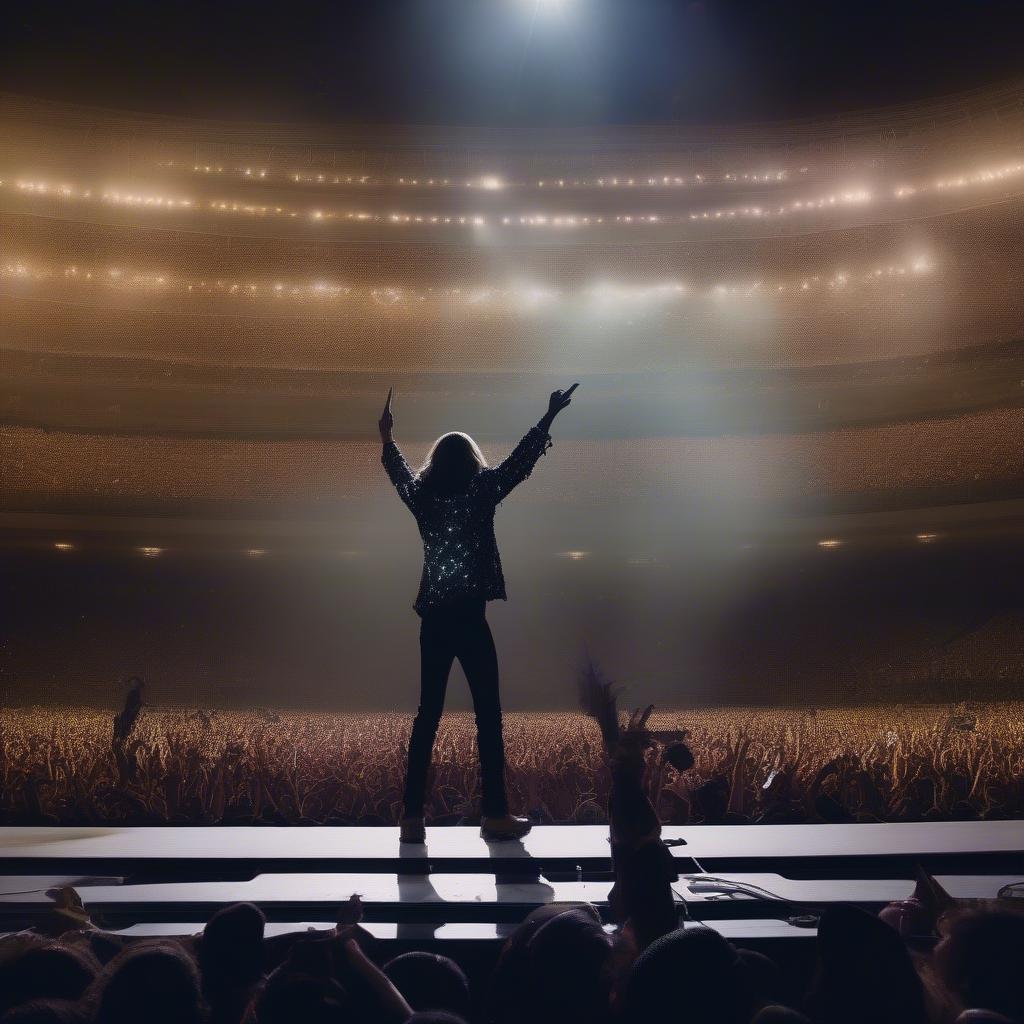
column 752, row 882
column 804, row 850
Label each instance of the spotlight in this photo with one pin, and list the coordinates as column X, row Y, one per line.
column 546, row 6
column 829, row 542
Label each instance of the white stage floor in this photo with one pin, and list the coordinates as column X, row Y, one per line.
column 478, row 890
column 544, row 843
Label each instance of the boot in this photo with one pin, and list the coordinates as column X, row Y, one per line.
column 505, row 827
column 411, row 830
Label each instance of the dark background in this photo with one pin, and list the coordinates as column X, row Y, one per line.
column 779, row 625
column 498, row 62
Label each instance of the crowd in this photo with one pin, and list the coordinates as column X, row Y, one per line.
column 175, row 766
column 922, row 961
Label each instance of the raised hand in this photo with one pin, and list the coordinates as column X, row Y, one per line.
column 635, row 737
column 559, row 400
column 386, row 422
column 351, row 912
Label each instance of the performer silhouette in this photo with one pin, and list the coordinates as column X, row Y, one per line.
column 453, row 498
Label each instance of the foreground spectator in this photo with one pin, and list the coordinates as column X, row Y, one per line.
column 289, row 995
column 762, row 979
column 692, row 975
column 231, row 956
column 568, row 970
column 326, row 977
column 56, row 972
column 152, row 983
column 864, row 973
column 558, row 960
column 429, row 981
column 981, row 962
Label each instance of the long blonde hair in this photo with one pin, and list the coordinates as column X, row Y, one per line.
column 452, row 462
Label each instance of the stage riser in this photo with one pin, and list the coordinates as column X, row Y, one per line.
column 141, row 869
column 881, row 866
column 457, row 849
column 300, row 873
column 148, row 869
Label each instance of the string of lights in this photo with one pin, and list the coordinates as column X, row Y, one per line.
column 863, row 196
column 324, row 292
column 157, row 201
column 488, row 182
column 837, row 200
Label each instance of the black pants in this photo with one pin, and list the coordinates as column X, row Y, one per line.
column 446, row 634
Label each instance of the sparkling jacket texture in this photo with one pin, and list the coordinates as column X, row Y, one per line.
column 460, row 553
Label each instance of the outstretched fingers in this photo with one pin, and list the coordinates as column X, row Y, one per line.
column 560, row 399
column 638, row 720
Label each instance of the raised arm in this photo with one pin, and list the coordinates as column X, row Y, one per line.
column 644, row 868
column 519, row 464
column 391, row 456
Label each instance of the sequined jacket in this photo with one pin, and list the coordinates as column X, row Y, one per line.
column 460, row 554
